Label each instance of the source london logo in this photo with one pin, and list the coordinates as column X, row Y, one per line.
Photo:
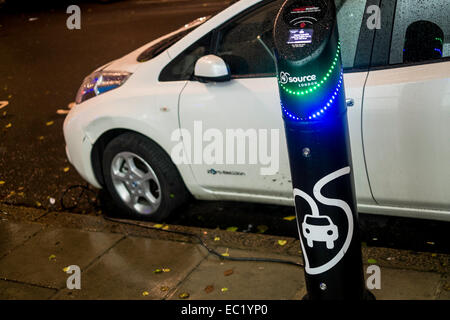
column 285, row 77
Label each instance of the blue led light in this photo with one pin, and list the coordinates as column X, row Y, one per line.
column 438, row 50
column 321, row 111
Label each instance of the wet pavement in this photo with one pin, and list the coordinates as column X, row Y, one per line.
column 119, row 261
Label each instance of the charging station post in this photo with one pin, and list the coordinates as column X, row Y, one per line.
column 311, row 86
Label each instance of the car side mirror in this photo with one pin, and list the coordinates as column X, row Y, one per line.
column 211, row 68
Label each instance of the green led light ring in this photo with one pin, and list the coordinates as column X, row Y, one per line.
column 319, row 84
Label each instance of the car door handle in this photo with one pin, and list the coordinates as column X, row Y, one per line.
column 350, row 102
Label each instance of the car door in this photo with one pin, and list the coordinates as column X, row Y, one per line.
column 406, row 116
column 250, row 101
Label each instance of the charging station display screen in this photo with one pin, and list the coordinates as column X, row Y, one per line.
column 300, row 36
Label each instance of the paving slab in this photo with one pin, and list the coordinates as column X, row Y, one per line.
column 21, row 291
column 40, row 260
column 400, row 284
column 217, row 279
column 444, row 289
column 127, row 270
column 13, row 235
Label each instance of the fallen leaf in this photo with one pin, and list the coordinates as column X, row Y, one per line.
column 164, row 288
column 165, row 228
column 209, row 289
column 232, row 229
column 166, row 270
column 226, row 254
column 262, row 228
column 282, row 242
column 157, row 226
column 224, row 289
column 290, row 218
column 3, row 104
column 2, row 182
column 66, row 269
column 228, row 272
column 66, row 169
column 38, row 204
column 145, row 293
column 217, row 239
column 52, row 257
column 157, row 271
column 62, row 111
column 184, row 295
column 49, row 123
column 372, row 261
column 9, row 125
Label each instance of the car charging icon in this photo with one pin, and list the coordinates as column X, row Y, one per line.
column 321, row 229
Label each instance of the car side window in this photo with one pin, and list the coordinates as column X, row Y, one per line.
column 240, row 47
column 421, row 31
column 350, row 14
column 246, row 56
column 182, row 67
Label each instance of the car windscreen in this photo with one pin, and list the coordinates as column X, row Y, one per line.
column 164, row 44
column 317, row 221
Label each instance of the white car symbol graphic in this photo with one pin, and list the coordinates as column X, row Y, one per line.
column 319, row 228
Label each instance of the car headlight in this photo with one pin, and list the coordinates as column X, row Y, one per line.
column 100, row 82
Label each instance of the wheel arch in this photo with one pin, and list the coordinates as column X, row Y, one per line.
column 103, row 140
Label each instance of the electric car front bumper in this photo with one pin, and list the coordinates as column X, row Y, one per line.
column 78, row 149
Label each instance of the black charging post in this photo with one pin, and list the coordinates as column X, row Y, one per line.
column 310, row 79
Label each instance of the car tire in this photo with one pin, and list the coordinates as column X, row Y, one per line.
column 141, row 179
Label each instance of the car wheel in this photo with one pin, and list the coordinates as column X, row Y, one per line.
column 141, row 178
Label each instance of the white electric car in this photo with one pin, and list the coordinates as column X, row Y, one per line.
column 217, row 73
